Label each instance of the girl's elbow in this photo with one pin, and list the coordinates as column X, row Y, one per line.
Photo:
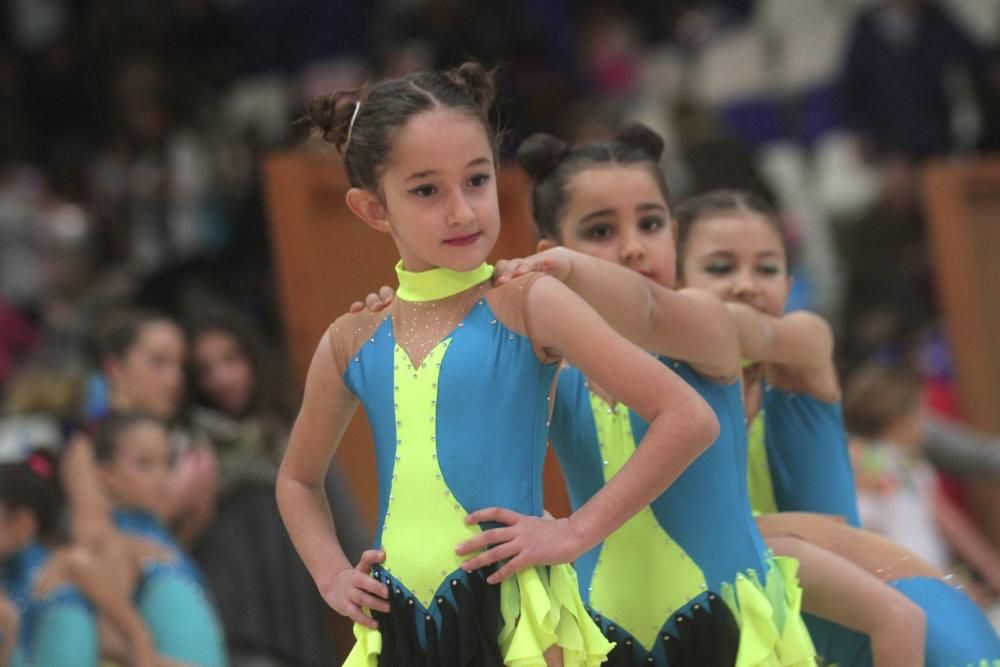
column 704, row 425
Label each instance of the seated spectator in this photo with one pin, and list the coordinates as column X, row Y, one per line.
column 898, row 490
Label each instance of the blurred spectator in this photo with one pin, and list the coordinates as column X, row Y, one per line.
column 895, row 75
column 898, row 490
column 245, row 407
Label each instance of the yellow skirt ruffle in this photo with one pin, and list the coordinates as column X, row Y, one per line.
column 772, row 633
column 541, row 608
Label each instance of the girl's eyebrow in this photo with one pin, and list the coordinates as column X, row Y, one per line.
column 651, row 206
column 601, row 213
column 431, row 172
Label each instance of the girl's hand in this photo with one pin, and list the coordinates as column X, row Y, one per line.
column 353, row 589
column 375, row 302
column 523, row 542
column 556, row 262
column 193, row 480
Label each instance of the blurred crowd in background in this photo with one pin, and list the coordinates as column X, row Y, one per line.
column 132, row 134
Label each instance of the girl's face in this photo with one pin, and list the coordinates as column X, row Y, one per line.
column 224, row 373
column 440, row 192
column 617, row 213
column 17, row 528
column 150, row 377
column 738, row 256
column 138, row 476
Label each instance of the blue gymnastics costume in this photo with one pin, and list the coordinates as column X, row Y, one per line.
column 799, row 461
column 172, row 599
column 58, row 630
column 805, row 445
column 687, row 581
column 457, row 398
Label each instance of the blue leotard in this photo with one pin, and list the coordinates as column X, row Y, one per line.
column 172, row 599
column 462, row 428
column 806, row 454
column 656, row 583
column 818, row 477
column 58, row 630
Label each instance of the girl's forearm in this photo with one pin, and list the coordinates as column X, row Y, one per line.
column 668, row 448
column 305, row 510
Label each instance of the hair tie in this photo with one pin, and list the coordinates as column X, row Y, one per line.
column 350, row 127
column 40, row 465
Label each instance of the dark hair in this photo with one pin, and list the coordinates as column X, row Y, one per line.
column 552, row 163
column 33, row 485
column 272, row 395
column 875, row 395
column 387, row 106
column 716, row 202
column 121, row 329
column 109, row 431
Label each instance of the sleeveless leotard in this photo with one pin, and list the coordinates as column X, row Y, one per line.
column 59, row 630
column 808, row 460
column 457, row 398
column 172, row 599
column 687, row 580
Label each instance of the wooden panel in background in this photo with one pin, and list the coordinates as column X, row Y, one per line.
column 963, row 215
column 962, row 200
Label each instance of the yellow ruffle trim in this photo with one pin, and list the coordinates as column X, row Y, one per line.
column 541, row 608
column 772, row 633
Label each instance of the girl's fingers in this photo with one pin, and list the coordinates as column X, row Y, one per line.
column 368, row 559
column 498, row 514
column 367, row 601
column 356, row 307
column 484, row 539
column 494, row 555
column 386, row 294
column 355, row 614
column 509, row 569
column 373, row 586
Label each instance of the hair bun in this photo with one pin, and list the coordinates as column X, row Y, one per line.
column 478, row 83
column 540, row 154
column 643, row 138
column 331, row 116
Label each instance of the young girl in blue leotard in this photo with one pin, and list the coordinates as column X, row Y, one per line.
column 731, row 244
column 455, row 377
column 55, row 590
column 133, row 455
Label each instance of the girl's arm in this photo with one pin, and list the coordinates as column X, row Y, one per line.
column 966, row 540
column 327, row 408
column 9, row 628
column 681, row 426
column 689, row 324
column 801, row 341
column 91, row 577
column 91, row 507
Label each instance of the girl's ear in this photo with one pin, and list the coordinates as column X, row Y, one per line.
column 366, row 205
column 545, row 244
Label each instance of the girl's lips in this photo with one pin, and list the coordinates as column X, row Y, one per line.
column 464, row 240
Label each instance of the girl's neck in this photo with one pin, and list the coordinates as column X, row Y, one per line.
column 439, row 282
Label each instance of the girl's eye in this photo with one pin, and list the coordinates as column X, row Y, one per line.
column 651, row 224
column 424, row 191
column 718, row 268
column 599, row 232
column 769, row 270
column 479, row 180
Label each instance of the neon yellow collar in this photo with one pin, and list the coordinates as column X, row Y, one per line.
column 438, row 283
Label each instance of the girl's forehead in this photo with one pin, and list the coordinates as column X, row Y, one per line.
column 614, row 185
column 737, row 230
column 437, row 139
